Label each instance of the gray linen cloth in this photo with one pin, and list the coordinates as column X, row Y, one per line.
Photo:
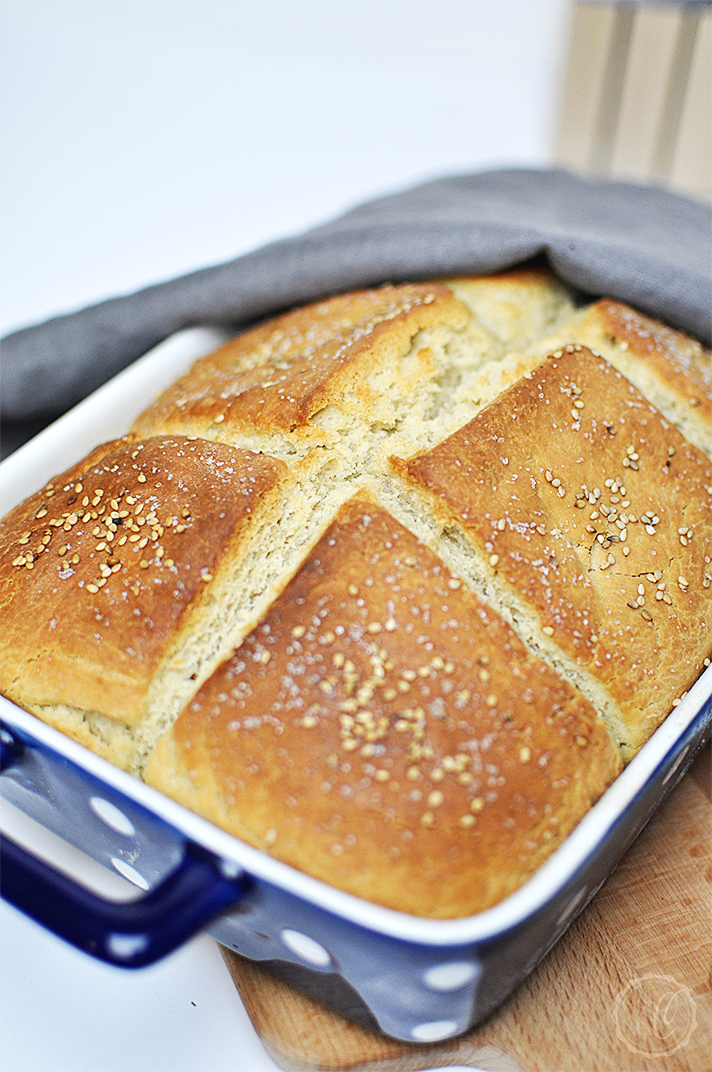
column 643, row 245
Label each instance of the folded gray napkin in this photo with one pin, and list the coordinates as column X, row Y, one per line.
column 643, row 245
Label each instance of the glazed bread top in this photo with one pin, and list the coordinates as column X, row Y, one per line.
column 384, row 724
column 347, row 371
column 107, row 575
column 588, row 516
column 296, row 380
column 434, row 585
column 673, row 371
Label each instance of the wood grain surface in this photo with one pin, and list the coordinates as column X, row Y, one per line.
column 627, row 989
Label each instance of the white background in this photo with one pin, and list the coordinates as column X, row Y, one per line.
column 144, row 138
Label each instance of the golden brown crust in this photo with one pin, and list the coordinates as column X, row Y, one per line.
column 381, row 726
column 275, row 379
column 100, row 569
column 672, row 370
column 584, row 501
column 681, row 363
column 384, row 730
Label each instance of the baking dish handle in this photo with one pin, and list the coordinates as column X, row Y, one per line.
column 130, row 933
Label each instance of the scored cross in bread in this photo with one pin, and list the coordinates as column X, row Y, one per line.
column 587, row 517
column 344, row 374
column 385, row 730
column 127, row 576
column 555, row 507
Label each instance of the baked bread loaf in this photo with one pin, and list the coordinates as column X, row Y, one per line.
column 390, row 586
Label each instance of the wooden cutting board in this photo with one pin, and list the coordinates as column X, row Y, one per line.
column 627, row 988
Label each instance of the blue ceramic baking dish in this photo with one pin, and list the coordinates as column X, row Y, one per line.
column 414, row 979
